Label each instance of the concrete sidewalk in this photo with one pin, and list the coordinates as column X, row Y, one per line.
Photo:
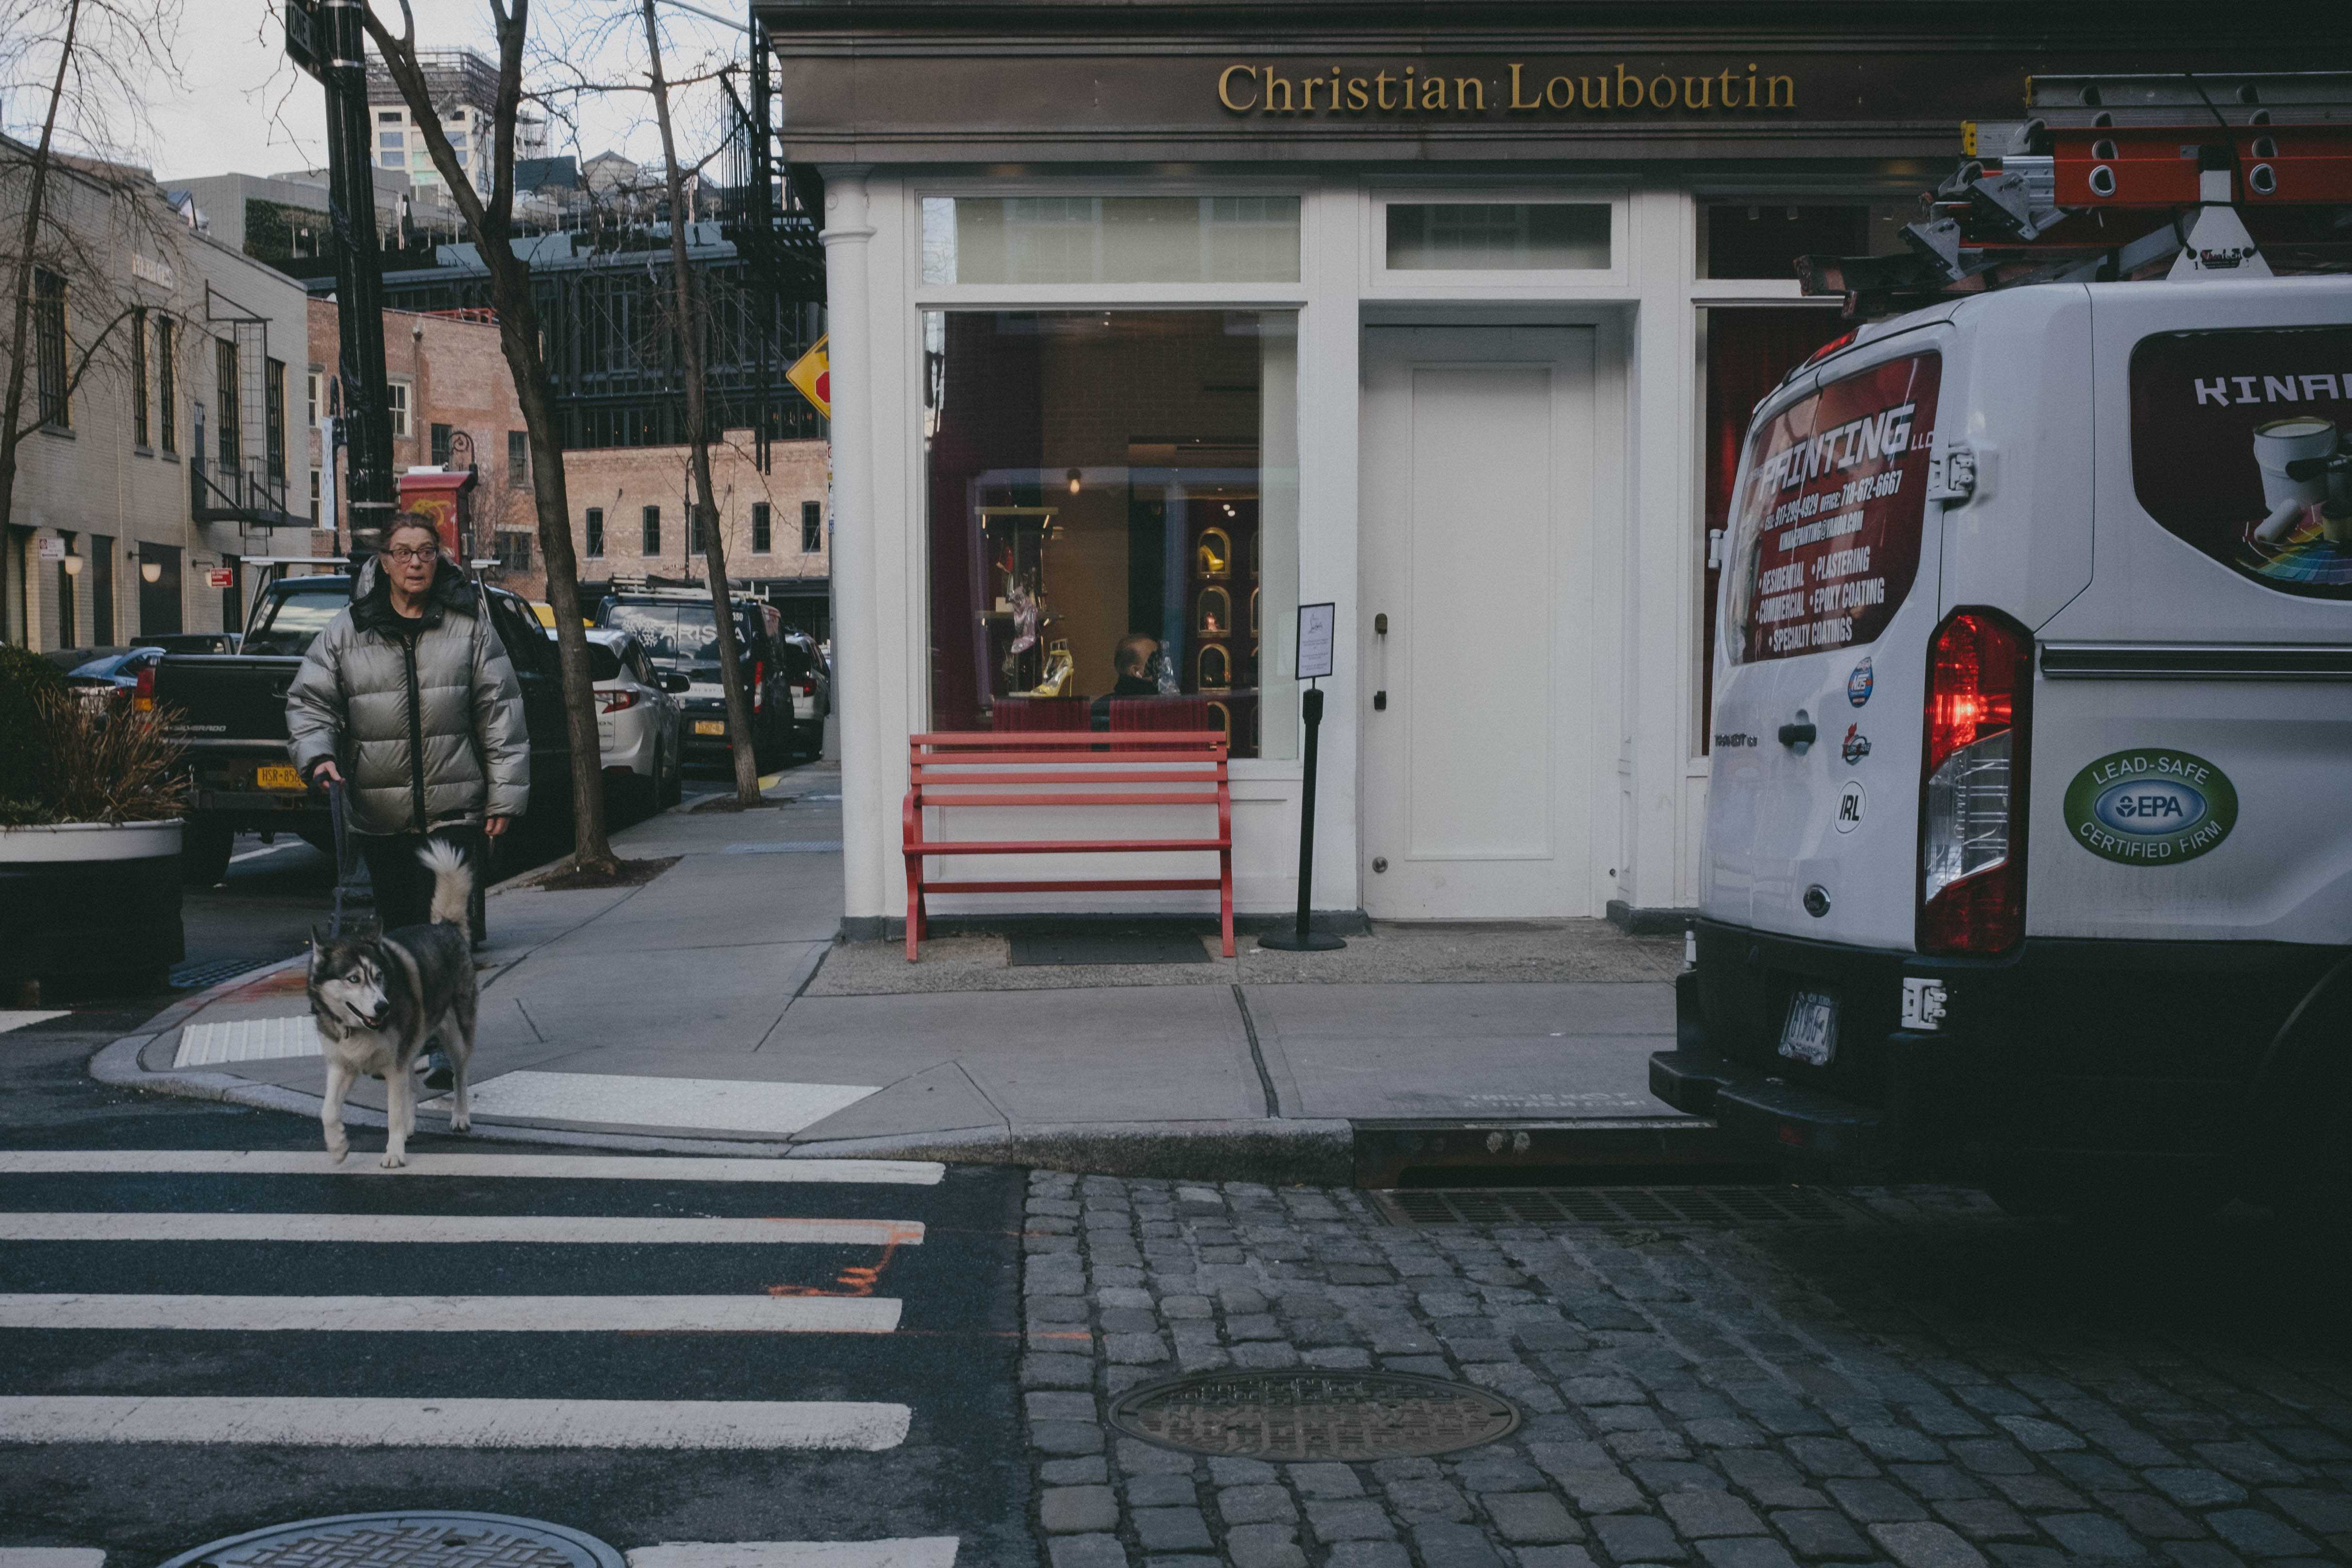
column 711, row 1008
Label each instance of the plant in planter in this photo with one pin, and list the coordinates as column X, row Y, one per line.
column 90, row 835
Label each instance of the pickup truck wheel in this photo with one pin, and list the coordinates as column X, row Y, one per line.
column 204, row 853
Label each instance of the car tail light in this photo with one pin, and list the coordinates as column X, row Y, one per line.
column 143, row 697
column 620, row 699
column 1972, row 789
column 759, row 682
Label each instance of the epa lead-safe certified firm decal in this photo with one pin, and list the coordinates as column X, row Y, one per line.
column 2150, row 806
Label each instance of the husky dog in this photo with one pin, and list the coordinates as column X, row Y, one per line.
column 379, row 998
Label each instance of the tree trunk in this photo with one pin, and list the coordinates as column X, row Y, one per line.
column 698, row 424
column 12, row 403
column 491, row 223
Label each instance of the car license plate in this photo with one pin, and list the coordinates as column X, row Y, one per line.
column 710, row 726
column 276, row 778
column 1809, row 1035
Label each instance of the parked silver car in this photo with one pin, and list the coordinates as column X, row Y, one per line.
column 638, row 725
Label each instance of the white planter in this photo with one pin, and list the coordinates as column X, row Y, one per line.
column 94, row 901
column 82, row 842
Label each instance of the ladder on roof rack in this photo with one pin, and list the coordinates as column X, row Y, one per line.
column 2115, row 177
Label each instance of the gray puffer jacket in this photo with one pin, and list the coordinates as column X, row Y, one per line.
column 424, row 732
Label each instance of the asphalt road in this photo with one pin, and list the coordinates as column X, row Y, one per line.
column 959, row 1471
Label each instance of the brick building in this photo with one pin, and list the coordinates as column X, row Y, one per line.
column 450, row 392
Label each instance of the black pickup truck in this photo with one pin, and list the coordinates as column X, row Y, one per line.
column 230, row 712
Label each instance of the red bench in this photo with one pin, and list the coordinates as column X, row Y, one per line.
column 1175, row 767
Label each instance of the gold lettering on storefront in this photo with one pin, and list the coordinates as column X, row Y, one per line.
column 1245, row 88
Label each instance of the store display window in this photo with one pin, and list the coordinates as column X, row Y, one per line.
column 1113, row 519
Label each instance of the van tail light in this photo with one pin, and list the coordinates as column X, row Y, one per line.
column 759, row 683
column 1972, row 789
column 142, row 697
column 617, row 700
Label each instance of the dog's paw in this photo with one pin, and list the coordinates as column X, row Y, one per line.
column 337, row 1147
column 460, row 1122
column 393, row 1161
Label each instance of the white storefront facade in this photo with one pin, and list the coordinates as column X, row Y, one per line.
column 1127, row 362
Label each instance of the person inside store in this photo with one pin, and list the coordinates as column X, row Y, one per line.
column 1130, row 661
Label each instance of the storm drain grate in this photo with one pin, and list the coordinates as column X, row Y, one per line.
column 411, row 1539
column 1614, row 1205
column 1299, row 1414
column 212, row 971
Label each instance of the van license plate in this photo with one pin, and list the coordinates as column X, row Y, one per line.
column 279, row 777
column 1810, row 1033
column 710, row 726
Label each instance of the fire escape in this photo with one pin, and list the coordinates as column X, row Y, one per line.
column 769, row 210
column 243, row 480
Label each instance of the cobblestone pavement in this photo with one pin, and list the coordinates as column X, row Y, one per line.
column 1931, row 1385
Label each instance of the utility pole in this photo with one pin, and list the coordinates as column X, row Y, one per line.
column 324, row 38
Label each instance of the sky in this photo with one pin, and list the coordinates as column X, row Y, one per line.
column 243, row 109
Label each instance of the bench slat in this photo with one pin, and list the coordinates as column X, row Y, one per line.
column 1137, row 885
column 1128, row 739
column 1064, row 846
column 933, row 777
column 1132, row 798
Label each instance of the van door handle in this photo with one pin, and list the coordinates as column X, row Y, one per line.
column 1798, row 736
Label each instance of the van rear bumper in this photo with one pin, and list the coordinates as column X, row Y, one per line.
column 2067, row 1052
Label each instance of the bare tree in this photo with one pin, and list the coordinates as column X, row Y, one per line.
column 693, row 326
column 491, row 223
column 92, row 60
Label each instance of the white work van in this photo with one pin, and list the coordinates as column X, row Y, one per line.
column 2029, row 851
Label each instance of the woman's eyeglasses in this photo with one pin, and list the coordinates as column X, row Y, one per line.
column 404, row 553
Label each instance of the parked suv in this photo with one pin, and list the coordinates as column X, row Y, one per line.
column 677, row 629
column 2026, row 855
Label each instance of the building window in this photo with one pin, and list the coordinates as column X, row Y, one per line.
column 811, row 527
column 518, row 459
column 49, row 350
column 167, row 387
column 139, row 431
column 230, row 407
column 69, row 633
column 512, row 546
column 101, row 590
column 273, row 412
column 1143, row 505
column 1499, row 236
column 1763, row 239
column 396, row 394
column 763, row 533
column 649, row 532
column 1110, row 239
column 314, row 498
column 698, row 537
column 444, row 443
column 388, row 116
column 595, row 532
column 310, row 400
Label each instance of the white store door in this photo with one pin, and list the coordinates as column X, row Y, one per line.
column 1479, row 759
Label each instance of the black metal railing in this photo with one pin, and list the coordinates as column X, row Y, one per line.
column 246, row 494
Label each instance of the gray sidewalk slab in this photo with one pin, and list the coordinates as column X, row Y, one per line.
column 712, row 1003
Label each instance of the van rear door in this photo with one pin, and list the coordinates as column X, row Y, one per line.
column 2192, row 726
column 1829, row 594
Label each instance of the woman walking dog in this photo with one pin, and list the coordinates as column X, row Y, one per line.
column 408, row 700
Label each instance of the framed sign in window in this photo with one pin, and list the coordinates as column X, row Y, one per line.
column 1316, row 623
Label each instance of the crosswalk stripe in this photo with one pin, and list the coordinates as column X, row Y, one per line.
column 553, row 1230
column 663, row 1424
column 912, row 1551
column 456, row 1314
column 574, row 1167
column 52, row 1557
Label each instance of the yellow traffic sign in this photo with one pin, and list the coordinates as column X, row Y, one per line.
column 812, row 373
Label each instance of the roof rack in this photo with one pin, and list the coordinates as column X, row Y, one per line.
column 684, row 588
column 2115, row 177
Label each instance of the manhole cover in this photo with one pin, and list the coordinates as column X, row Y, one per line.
column 1315, row 1415
column 418, row 1540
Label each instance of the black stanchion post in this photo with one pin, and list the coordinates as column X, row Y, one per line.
column 1301, row 940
